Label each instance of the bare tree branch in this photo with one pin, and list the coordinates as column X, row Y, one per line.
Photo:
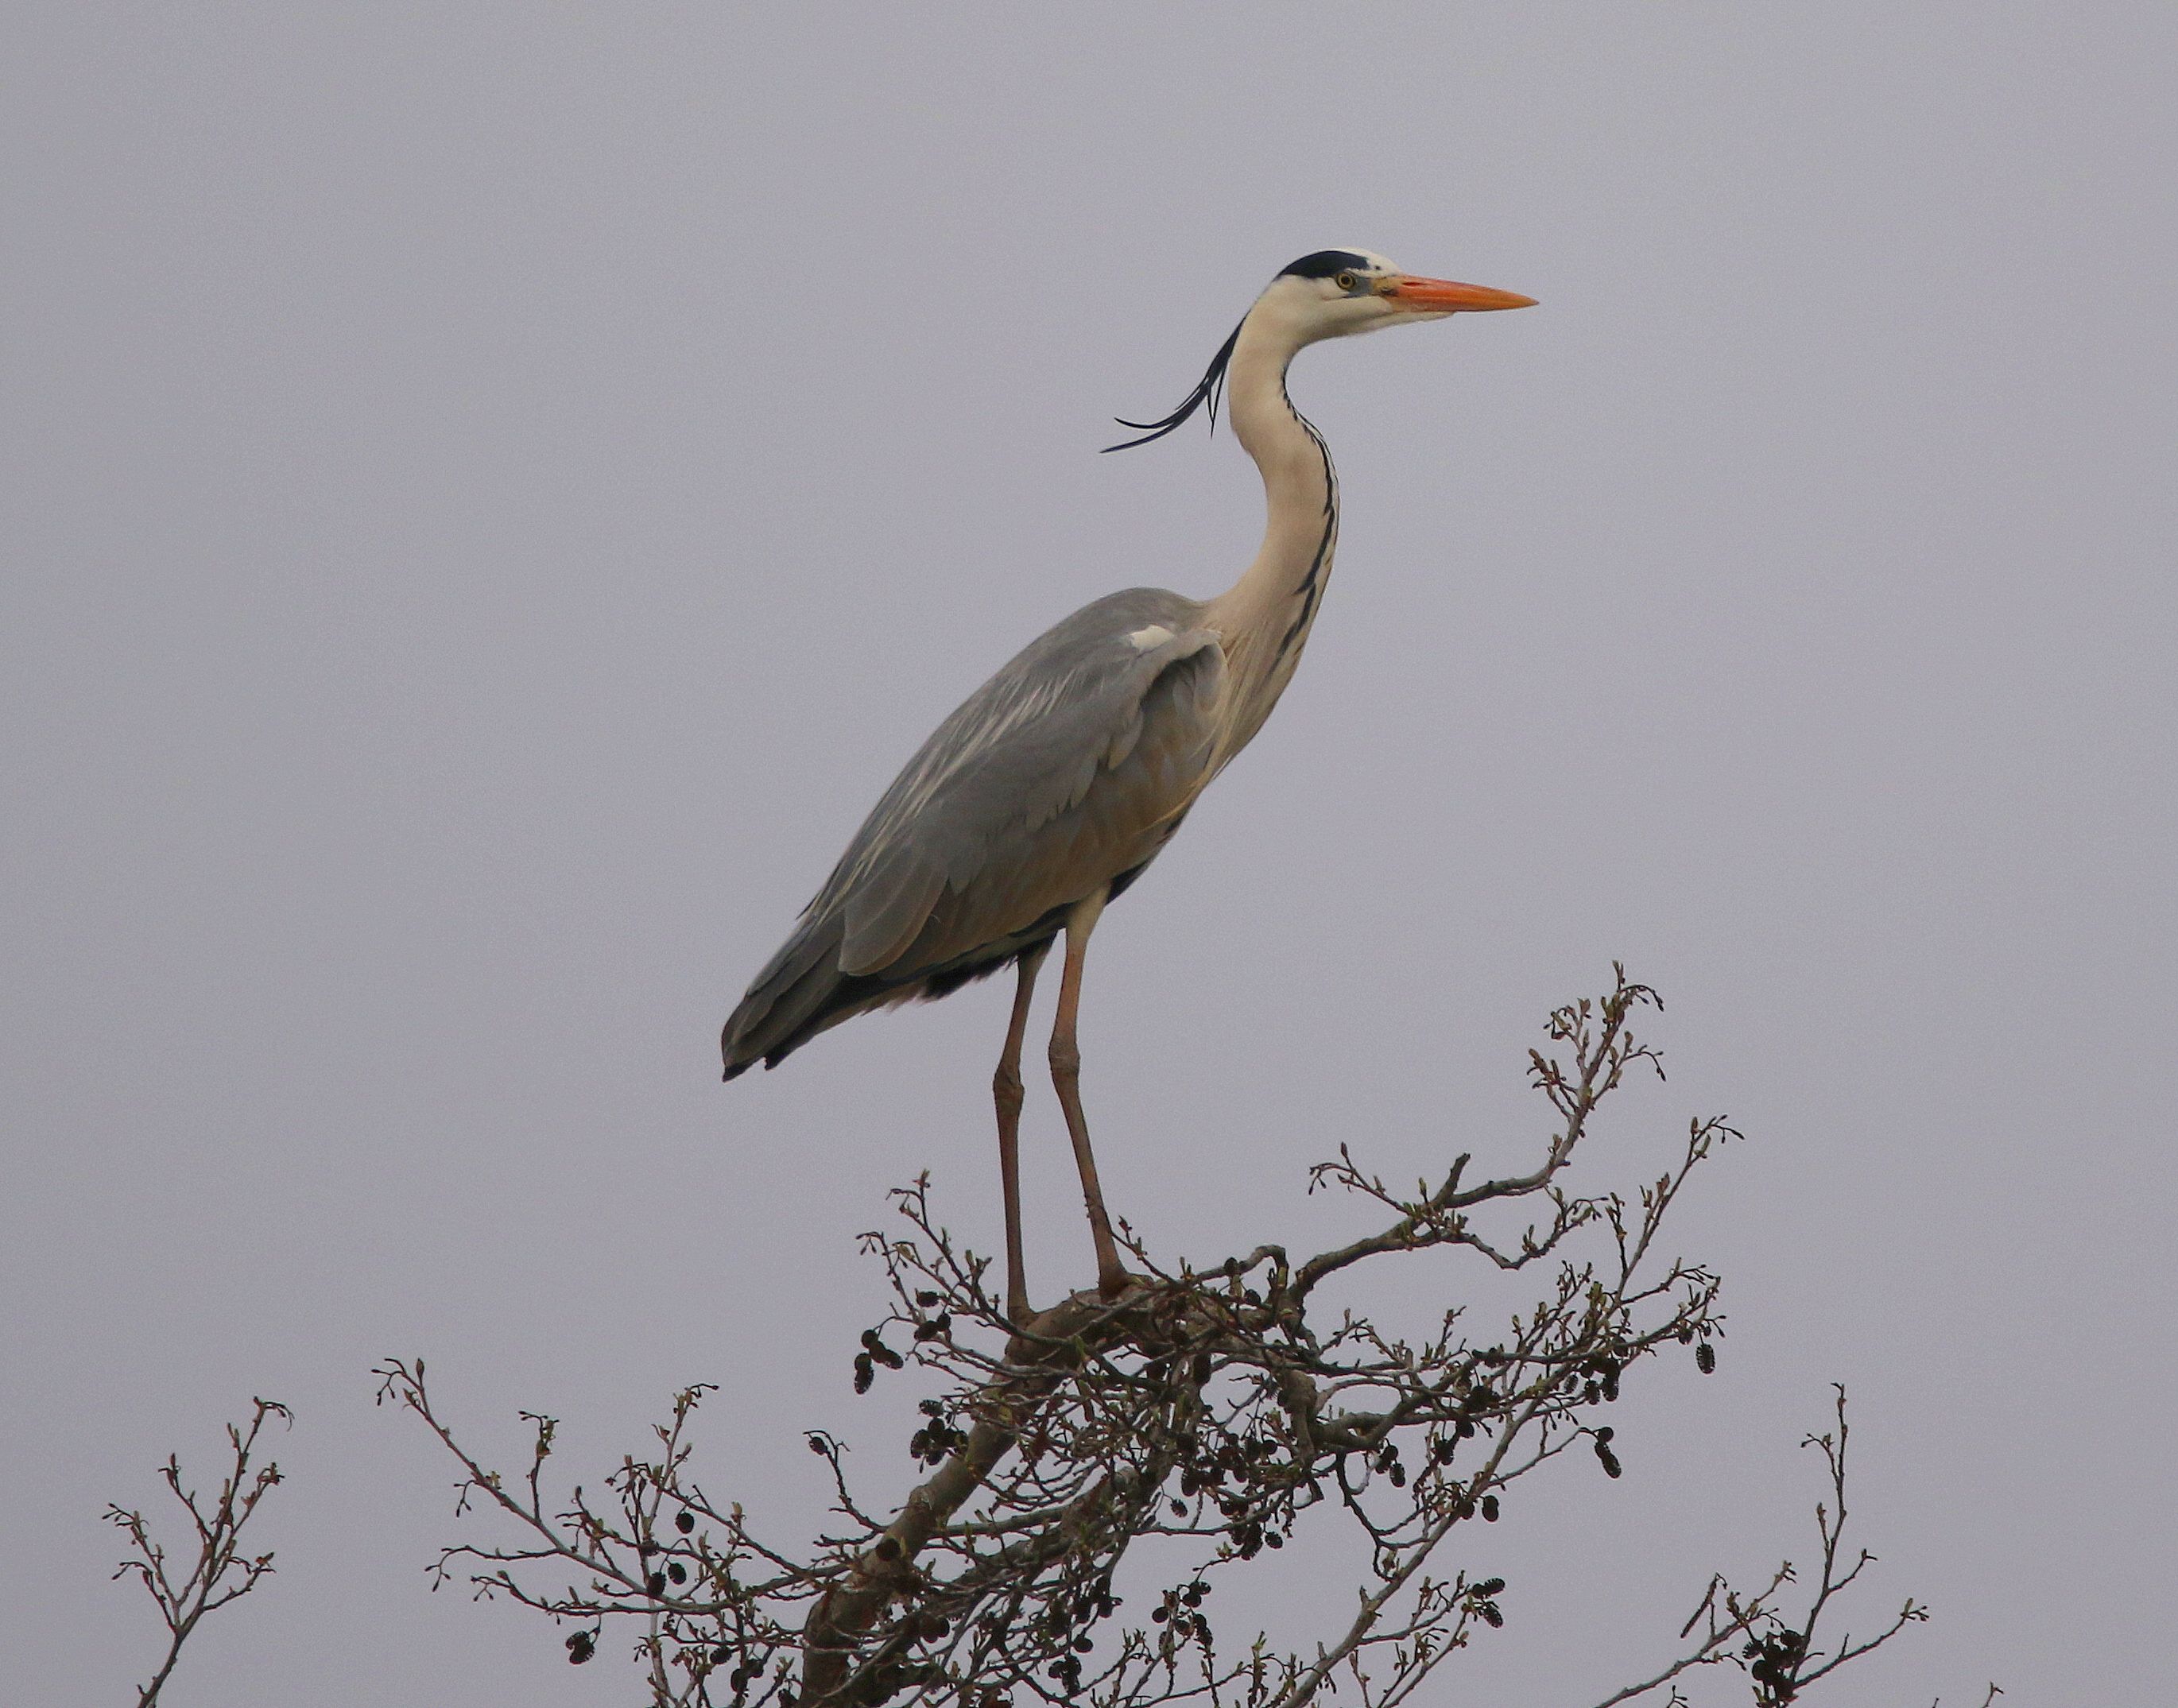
column 1140, row 1449
column 1781, row 1657
column 219, row 1571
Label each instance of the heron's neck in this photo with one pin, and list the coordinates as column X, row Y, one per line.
column 1264, row 618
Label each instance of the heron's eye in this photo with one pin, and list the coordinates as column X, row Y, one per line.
column 1345, row 282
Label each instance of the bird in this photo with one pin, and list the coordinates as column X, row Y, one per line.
column 1048, row 793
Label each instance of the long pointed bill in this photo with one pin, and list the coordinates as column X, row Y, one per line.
column 1447, row 296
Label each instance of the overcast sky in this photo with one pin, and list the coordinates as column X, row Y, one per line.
column 494, row 492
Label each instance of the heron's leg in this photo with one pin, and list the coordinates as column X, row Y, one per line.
column 1006, row 1091
column 1066, row 1076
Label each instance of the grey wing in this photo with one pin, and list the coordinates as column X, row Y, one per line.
column 1069, row 769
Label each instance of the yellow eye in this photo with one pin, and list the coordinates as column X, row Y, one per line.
column 1345, row 282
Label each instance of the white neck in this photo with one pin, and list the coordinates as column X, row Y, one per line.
column 1263, row 619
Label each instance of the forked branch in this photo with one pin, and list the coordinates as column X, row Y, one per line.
column 218, row 1572
column 1087, row 1479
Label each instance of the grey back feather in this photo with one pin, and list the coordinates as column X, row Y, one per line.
column 1068, row 768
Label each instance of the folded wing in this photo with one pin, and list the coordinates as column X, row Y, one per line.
column 1067, row 771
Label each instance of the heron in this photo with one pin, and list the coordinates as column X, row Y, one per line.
column 1049, row 792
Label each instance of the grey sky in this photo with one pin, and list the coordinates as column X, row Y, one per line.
column 494, row 491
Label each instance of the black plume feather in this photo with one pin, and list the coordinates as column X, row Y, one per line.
column 1207, row 392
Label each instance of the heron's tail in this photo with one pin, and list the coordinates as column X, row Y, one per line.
column 798, row 995
column 804, row 992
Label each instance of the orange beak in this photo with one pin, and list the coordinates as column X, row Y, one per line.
column 1447, row 296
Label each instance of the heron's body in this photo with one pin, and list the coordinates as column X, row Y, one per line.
column 1061, row 779
column 1065, row 772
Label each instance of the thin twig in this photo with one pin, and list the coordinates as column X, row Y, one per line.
column 219, row 1573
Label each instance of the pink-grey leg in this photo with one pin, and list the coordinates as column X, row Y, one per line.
column 1066, row 1077
column 1006, row 1092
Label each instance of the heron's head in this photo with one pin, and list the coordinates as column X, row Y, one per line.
column 1333, row 293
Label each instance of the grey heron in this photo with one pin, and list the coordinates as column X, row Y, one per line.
column 1044, row 796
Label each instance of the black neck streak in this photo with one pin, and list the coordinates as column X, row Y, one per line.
column 1310, row 588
